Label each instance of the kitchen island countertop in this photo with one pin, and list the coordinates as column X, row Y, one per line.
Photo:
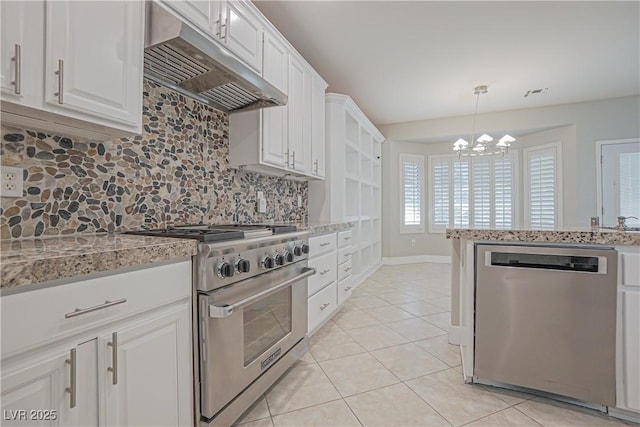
column 571, row 236
column 31, row 261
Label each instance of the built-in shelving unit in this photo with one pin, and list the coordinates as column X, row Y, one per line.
column 352, row 187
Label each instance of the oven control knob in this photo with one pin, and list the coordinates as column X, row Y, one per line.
column 224, row 269
column 305, row 249
column 297, row 251
column 279, row 259
column 243, row 266
column 288, row 256
column 266, row 262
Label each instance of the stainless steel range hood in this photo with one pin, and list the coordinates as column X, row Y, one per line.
column 181, row 58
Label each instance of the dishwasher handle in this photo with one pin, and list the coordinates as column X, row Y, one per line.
column 540, row 261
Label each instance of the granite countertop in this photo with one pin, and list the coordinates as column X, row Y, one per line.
column 30, row 261
column 575, row 235
column 327, row 227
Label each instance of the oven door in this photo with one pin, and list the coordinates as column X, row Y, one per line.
column 245, row 328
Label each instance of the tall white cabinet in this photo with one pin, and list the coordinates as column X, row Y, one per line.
column 351, row 190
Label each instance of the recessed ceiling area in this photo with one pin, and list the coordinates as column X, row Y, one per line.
column 414, row 60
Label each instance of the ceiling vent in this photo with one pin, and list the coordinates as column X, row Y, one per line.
column 536, row 92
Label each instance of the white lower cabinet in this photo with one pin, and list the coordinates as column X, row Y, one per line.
column 321, row 306
column 130, row 369
column 628, row 334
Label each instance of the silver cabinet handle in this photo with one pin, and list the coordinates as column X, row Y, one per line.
column 225, row 310
column 60, row 74
column 18, row 65
column 114, row 357
column 286, row 156
column 325, row 244
column 346, row 238
column 347, row 269
column 323, row 272
column 347, row 289
column 316, row 167
column 325, row 305
column 81, row 311
column 72, row 386
column 293, row 161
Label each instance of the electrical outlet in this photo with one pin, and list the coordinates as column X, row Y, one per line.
column 299, row 201
column 413, row 242
column 10, row 182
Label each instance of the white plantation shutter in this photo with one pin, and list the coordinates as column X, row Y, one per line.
column 481, row 192
column 472, row 192
column 503, row 183
column 440, row 195
column 460, row 193
column 412, row 167
column 542, row 188
column 629, row 184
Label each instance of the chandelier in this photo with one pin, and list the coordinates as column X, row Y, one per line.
column 484, row 145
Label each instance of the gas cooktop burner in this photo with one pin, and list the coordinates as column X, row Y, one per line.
column 217, row 233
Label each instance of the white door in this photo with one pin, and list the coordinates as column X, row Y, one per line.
column 620, row 166
column 296, row 117
column 21, row 38
column 242, row 33
column 317, row 126
column 150, row 362
column 93, row 61
column 274, row 119
column 631, row 349
column 37, row 390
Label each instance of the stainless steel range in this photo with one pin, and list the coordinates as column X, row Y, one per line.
column 250, row 312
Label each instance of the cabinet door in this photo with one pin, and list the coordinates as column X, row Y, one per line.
column 197, row 12
column 630, row 349
column 93, row 59
column 21, row 47
column 242, row 33
column 296, row 115
column 38, row 383
column 317, row 126
column 274, row 120
column 150, row 362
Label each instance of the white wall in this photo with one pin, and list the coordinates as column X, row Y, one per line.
column 578, row 126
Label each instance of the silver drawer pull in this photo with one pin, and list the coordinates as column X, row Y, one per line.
column 18, row 64
column 324, row 244
column 81, row 311
column 72, row 386
column 347, row 288
column 114, row 357
column 60, row 74
column 347, row 269
column 346, row 238
column 323, row 272
column 325, row 305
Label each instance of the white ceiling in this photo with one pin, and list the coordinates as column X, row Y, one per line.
column 412, row 60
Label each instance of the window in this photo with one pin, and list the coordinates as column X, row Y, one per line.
column 472, row 192
column 412, row 193
column 543, row 207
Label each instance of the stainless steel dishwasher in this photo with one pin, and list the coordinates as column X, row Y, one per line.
column 545, row 319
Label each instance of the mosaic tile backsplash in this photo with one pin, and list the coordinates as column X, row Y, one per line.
column 176, row 172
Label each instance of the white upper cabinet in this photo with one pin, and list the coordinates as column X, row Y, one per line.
column 20, row 49
column 93, row 61
column 73, row 68
column 299, row 143
column 241, row 32
column 200, row 13
column 318, row 86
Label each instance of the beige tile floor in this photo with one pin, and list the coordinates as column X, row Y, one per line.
column 384, row 360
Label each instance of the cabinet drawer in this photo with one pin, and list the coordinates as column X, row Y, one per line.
column 344, row 254
column 345, row 287
column 325, row 266
column 629, row 268
column 344, row 238
column 40, row 314
column 344, row 270
column 321, row 306
column 321, row 244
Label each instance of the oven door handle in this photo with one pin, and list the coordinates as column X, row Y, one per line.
column 225, row 310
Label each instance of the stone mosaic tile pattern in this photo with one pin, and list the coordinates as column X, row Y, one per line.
column 28, row 261
column 176, row 172
column 601, row 237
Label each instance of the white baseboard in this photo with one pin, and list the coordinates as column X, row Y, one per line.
column 416, row 259
column 454, row 334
